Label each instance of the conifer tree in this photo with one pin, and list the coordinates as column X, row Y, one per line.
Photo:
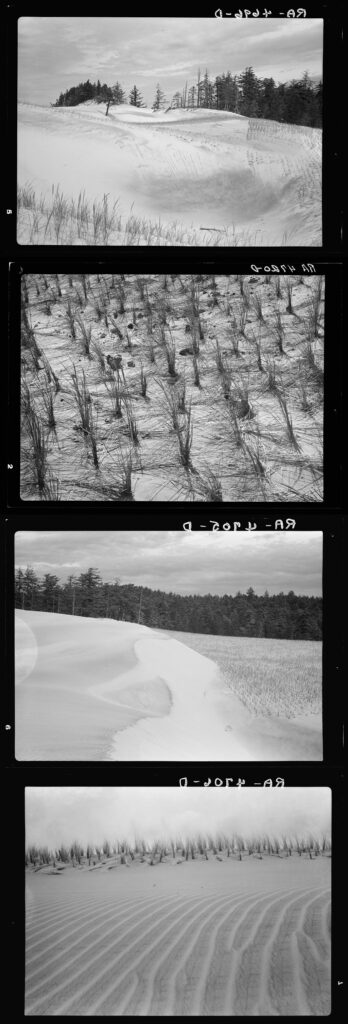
column 159, row 100
column 295, row 102
column 119, row 95
column 279, row 616
column 135, row 98
column 177, row 100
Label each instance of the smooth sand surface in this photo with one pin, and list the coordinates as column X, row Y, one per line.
column 99, row 689
column 216, row 938
column 78, row 681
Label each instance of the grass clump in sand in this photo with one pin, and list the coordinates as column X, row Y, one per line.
column 209, row 385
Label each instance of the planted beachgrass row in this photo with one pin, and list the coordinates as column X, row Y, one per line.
column 199, row 847
column 213, row 384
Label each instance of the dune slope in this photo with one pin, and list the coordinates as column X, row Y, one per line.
column 210, row 170
column 100, row 689
column 81, row 680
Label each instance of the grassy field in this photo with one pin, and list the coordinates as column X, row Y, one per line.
column 214, row 391
column 271, row 677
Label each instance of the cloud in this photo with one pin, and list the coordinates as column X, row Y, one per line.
column 185, row 67
column 182, row 562
column 55, row 815
column 55, row 52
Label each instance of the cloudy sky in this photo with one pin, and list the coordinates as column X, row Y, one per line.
column 57, row 53
column 181, row 562
column 59, row 814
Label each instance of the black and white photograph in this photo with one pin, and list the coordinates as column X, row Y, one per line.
column 170, row 387
column 170, row 131
column 242, row 930
column 168, row 646
column 173, row 511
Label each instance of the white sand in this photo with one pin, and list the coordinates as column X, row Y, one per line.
column 95, row 689
column 217, row 938
column 202, row 169
column 77, row 682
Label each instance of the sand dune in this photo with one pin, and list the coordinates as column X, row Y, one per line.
column 204, row 169
column 246, row 938
column 82, row 681
column 99, row 689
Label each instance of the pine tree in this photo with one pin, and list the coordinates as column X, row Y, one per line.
column 89, row 593
column 159, row 100
column 135, row 98
column 280, row 616
column 30, row 589
column 199, row 93
column 318, row 106
column 268, row 98
column 69, row 596
column 50, row 593
column 207, row 91
column 192, row 96
column 219, row 92
column 19, row 589
column 249, row 84
column 119, row 95
column 296, row 102
column 177, row 100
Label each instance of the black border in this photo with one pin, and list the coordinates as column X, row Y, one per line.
column 333, row 375
column 301, row 774
column 333, row 665
column 332, row 193
column 15, row 891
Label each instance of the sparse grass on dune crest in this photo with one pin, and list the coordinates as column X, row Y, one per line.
column 192, row 847
column 193, row 387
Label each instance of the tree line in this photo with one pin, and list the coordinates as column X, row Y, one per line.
column 280, row 616
column 109, row 94
column 296, row 102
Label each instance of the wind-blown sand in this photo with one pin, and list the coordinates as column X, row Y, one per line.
column 203, row 169
column 227, row 938
column 99, row 689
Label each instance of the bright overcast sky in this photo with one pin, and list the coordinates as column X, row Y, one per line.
column 57, row 53
column 58, row 814
column 185, row 563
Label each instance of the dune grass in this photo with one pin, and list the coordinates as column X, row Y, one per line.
column 204, row 384
column 281, row 678
column 63, row 220
column 205, row 847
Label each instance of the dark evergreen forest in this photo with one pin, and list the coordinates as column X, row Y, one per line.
column 280, row 616
column 296, row 102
